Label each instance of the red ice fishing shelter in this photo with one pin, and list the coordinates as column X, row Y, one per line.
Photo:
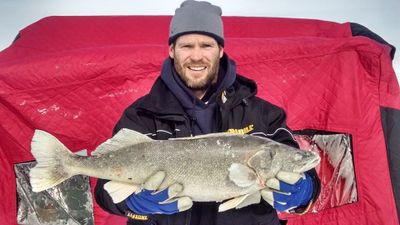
column 73, row 76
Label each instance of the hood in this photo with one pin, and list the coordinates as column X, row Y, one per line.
column 226, row 77
column 171, row 86
column 201, row 112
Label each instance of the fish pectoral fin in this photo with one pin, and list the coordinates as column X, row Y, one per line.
column 240, row 202
column 119, row 191
column 241, row 175
column 124, row 138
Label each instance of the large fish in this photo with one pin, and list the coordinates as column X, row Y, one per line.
column 212, row 167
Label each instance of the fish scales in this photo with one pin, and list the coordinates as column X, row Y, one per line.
column 202, row 172
column 202, row 164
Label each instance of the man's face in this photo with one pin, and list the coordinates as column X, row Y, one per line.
column 196, row 60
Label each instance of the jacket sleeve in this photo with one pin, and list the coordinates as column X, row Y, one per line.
column 104, row 200
column 275, row 118
column 132, row 120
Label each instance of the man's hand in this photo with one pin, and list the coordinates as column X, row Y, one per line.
column 288, row 191
column 151, row 201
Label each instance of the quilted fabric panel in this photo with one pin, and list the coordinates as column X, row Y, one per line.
column 73, row 76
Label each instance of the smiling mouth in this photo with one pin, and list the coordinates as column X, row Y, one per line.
column 197, row 68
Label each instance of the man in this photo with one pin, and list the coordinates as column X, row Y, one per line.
column 199, row 92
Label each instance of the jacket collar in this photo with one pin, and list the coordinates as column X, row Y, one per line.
column 226, row 77
column 162, row 102
column 238, row 93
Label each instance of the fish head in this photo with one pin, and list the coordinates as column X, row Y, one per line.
column 269, row 161
column 300, row 161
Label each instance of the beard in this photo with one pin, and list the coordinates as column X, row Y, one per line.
column 200, row 83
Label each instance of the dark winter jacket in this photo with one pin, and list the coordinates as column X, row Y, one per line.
column 160, row 115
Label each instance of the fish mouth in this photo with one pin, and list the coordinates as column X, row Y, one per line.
column 309, row 165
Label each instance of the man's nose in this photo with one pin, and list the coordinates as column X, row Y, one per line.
column 197, row 54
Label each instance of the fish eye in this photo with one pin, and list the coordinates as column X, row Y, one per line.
column 298, row 157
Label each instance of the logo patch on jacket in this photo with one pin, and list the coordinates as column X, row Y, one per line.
column 136, row 216
column 244, row 130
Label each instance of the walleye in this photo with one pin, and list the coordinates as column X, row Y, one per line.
column 211, row 167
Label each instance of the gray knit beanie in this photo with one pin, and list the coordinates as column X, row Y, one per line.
column 197, row 17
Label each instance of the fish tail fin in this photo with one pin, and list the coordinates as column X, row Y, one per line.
column 49, row 153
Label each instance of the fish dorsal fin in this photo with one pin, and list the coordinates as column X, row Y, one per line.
column 242, row 175
column 240, row 202
column 125, row 137
column 220, row 134
column 119, row 191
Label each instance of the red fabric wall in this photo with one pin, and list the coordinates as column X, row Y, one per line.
column 73, row 76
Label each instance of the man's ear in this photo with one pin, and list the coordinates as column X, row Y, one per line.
column 171, row 51
column 221, row 51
